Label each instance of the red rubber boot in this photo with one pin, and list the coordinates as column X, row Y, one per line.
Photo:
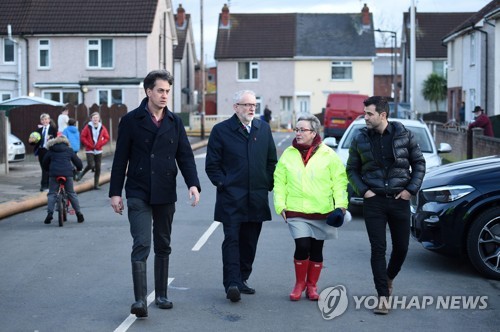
column 300, row 279
column 312, row 279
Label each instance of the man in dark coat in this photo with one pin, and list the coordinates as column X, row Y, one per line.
column 385, row 167
column 152, row 143
column 240, row 162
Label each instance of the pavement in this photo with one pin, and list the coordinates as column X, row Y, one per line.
column 20, row 188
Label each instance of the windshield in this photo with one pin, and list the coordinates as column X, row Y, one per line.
column 420, row 134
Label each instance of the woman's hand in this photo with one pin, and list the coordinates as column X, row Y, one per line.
column 283, row 214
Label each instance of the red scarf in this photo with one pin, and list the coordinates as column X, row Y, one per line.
column 307, row 151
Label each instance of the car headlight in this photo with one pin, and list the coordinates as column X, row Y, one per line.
column 446, row 193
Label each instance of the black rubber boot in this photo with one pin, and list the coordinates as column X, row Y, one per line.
column 161, row 283
column 140, row 307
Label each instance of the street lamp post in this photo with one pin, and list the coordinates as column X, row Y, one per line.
column 394, row 66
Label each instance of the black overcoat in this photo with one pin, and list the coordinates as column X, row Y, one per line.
column 241, row 166
column 152, row 156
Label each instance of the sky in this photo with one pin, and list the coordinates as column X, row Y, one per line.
column 387, row 14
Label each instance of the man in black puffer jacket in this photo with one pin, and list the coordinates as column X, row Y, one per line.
column 385, row 167
column 59, row 161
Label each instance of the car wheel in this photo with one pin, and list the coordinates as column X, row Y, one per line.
column 483, row 243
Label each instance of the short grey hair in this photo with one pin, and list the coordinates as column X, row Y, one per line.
column 313, row 120
column 44, row 115
column 239, row 94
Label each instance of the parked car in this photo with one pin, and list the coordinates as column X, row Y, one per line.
column 341, row 110
column 16, row 150
column 419, row 130
column 457, row 211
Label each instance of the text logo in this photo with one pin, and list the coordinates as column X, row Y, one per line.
column 333, row 302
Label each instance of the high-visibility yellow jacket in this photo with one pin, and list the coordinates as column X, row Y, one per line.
column 318, row 187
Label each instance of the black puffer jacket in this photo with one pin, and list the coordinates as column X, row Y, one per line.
column 60, row 158
column 365, row 173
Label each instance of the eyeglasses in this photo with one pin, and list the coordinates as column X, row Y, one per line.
column 247, row 105
column 301, row 130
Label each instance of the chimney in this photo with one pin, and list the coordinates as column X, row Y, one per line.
column 181, row 16
column 365, row 16
column 225, row 17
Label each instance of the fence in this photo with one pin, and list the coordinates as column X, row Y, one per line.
column 466, row 144
column 284, row 120
column 25, row 119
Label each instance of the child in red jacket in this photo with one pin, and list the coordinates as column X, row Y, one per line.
column 94, row 136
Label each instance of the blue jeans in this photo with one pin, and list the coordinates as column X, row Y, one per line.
column 238, row 251
column 378, row 212
column 141, row 216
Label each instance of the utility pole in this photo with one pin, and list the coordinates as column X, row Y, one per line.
column 202, row 68
column 413, row 80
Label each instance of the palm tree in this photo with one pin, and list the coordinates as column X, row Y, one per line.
column 434, row 89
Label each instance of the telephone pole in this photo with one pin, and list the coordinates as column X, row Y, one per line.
column 202, row 68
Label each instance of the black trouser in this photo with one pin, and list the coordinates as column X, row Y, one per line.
column 238, row 251
column 44, row 183
column 141, row 214
column 378, row 212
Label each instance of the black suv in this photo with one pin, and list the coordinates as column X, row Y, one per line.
column 457, row 211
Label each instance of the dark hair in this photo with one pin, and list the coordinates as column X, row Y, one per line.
column 150, row 79
column 381, row 104
column 71, row 122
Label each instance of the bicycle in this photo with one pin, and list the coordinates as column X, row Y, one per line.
column 62, row 202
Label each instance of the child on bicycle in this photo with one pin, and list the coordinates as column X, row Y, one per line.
column 59, row 161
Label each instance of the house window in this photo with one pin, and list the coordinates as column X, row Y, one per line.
column 258, row 108
column 5, row 96
column 110, row 97
column 43, row 53
column 342, row 70
column 8, row 51
column 439, row 68
column 248, row 71
column 472, row 49
column 100, row 53
column 66, row 97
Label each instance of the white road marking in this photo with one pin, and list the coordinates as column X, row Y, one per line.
column 124, row 326
column 201, row 155
column 205, row 236
column 283, row 140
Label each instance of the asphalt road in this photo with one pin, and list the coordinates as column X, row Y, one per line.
column 78, row 277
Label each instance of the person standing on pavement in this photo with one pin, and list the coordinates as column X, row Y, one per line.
column 310, row 183
column 241, row 157
column 73, row 135
column 62, row 121
column 47, row 132
column 385, row 167
column 94, row 136
column 151, row 146
column 481, row 120
column 59, row 161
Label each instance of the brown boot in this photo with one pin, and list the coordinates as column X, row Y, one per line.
column 383, row 306
column 300, row 279
column 312, row 279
